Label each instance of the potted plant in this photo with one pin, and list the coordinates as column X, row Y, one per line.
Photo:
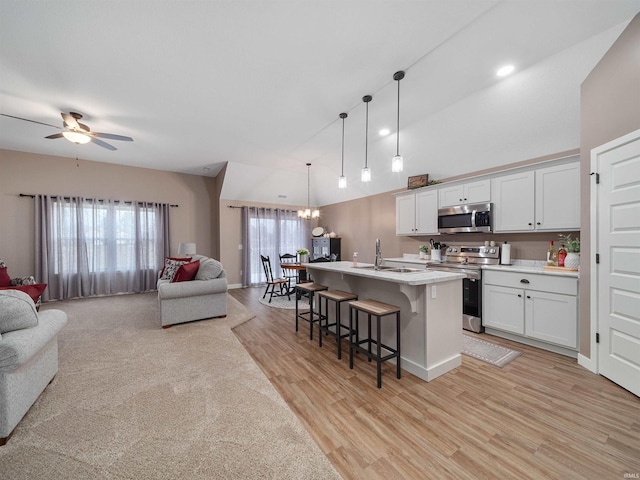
column 303, row 255
column 572, row 260
column 424, row 251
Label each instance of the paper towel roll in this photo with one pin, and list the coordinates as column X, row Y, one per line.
column 505, row 258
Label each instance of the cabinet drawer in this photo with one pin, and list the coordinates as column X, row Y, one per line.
column 532, row 281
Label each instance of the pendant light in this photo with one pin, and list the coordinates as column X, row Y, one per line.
column 396, row 162
column 365, row 176
column 307, row 213
column 342, row 181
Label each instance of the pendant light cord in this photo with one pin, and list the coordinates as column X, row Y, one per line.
column 366, row 136
column 397, row 77
column 343, row 115
column 398, row 123
column 308, row 187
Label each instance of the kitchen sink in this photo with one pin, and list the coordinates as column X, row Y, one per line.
column 406, row 270
column 371, row 267
column 390, row 269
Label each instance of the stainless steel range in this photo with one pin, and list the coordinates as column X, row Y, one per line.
column 469, row 259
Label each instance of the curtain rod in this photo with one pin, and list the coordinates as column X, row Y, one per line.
column 97, row 200
column 253, row 206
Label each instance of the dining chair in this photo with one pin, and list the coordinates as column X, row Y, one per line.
column 282, row 284
column 289, row 273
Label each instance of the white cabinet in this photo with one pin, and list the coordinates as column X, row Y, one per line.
column 558, row 197
column 417, row 213
column 513, row 202
column 545, row 199
column 474, row 192
column 536, row 306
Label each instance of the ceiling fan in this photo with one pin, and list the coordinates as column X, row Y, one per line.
column 77, row 132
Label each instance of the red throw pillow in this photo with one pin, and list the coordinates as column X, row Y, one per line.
column 5, row 279
column 187, row 272
column 34, row 291
column 182, row 259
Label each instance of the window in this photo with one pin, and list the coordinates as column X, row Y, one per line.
column 271, row 232
column 100, row 247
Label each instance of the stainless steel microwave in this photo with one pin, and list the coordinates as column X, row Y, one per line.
column 476, row 217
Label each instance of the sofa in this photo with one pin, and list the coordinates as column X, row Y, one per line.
column 28, row 355
column 192, row 296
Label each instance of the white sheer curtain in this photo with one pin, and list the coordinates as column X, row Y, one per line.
column 88, row 247
column 270, row 232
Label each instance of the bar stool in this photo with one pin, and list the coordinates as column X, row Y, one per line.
column 309, row 289
column 336, row 296
column 378, row 310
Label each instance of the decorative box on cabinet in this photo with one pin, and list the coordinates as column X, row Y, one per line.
column 417, row 213
column 538, row 309
column 473, row 192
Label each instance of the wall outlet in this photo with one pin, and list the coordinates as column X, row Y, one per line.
column 240, row 247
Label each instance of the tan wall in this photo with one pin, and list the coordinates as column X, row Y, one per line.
column 609, row 108
column 30, row 173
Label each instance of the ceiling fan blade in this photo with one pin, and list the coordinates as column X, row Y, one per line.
column 32, row 121
column 55, row 135
column 70, row 121
column 103, row 144
column 111, row 136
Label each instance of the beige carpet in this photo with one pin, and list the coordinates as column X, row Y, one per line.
column 134, row 401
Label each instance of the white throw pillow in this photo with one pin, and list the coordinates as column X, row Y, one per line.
column 209, row 269
column 17, row 311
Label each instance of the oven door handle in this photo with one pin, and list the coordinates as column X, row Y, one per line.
column 473, row 218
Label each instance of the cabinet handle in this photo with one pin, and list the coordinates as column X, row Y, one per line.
column 538, row 223
column 528, row 297
column 530, row 223
column 519, row 296
column 524, row 280
column 459, row 199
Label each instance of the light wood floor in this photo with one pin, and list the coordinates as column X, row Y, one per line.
column 540, row 417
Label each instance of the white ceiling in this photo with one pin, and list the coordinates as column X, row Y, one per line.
column 260, row 84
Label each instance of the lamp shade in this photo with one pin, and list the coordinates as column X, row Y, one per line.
column 187, row 248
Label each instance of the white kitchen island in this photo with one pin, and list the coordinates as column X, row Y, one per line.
column 430, row 311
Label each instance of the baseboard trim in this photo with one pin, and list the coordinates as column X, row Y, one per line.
column 587, row 363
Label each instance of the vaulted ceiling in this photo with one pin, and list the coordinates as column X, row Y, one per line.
column 259, row 85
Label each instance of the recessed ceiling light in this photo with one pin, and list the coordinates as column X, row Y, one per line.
column 384, row 132
column 506, row 70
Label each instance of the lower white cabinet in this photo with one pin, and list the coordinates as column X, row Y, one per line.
column 536, row 306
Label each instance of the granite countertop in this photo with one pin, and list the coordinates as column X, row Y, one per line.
column 532, row 266
column 522, row 266
column 425, row 277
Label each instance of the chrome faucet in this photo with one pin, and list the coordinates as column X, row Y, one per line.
column 378, row 263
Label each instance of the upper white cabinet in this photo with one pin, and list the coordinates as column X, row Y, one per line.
column 545, row 199
column 417, row 213
column 474, row 192
column 513, row 202
column 558, row 197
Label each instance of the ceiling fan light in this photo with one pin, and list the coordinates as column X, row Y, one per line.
column 76, row 137
column 365, row 176
column 396, row 163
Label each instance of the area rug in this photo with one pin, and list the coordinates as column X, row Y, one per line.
column 284, row 302
column 488, row 352
column 134, row 401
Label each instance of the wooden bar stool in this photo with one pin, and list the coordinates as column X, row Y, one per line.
column 336, row 296
column 307, row 289
column 378, row 310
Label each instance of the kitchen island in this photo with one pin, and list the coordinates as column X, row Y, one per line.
column 430, row 310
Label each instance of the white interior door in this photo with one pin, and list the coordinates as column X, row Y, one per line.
column 616, row 279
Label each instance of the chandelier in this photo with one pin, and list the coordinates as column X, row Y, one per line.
column 307, row 213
